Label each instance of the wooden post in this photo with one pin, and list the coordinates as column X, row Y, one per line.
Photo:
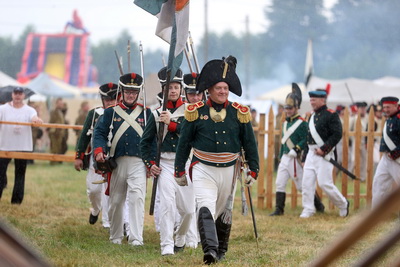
column 370, row 155
column 345, row 156
column 262, row 176
column 357, row 161
column 270, row 157
column 359, row 228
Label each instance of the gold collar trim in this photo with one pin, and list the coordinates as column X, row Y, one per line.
column 217, row 116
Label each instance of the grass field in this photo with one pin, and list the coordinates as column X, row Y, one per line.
column 54, row 219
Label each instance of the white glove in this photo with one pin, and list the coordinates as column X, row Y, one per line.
column 249, row 180
column 292, row 153
column 182, row 181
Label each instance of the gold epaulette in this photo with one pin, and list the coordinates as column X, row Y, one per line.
column 243, row 113
column 191, row 113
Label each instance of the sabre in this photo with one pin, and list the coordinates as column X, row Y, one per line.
column 253, row 217
column 343, row 169
column 142, row 71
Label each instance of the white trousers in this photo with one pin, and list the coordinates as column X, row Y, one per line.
column 316, row 168
column 212, row 187
column 387, row 172
column 96, row 194
column 288, row 168
column 128, row 178
column 173, row 198
column 192, row 236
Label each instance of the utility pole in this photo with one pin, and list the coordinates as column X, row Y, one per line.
column 205, row 31
column 247, row 58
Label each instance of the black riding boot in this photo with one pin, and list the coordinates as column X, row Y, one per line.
column 208, row 235
column 223, row 232
column 318, row 204
column 280, row 204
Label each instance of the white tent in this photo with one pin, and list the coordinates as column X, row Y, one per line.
column 350, row 90
column 7, row 80
column 52, row 87
column 343, row 92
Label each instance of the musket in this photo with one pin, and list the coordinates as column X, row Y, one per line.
column 194, row 54
column 129, row 55
column 348, row 90
column 143, row 90
column 188, row 59
column 159, row 142
column 195, row 60
column 119, row 63
column 163, row 60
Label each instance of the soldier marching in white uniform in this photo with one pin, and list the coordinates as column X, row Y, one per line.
column 84, row 158
column 388, row 170
column 116, row 145
column 293, row 141
column 325, row 131
column 172, row 197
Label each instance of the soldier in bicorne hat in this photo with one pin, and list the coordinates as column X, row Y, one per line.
column 84, row 158
column 172, row 197
column 388, row 170
column 116, row 143
column 324, row 132
column 217, row 130
column 294, row 139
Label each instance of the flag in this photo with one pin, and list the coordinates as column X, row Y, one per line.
column 309, row 68
column 172, row 26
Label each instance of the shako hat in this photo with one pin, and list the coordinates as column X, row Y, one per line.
column 389, row 100
column 218, row 70
column 108, row 90
column 162, row 76
column 318, row 94
column 131, row 81
column 294, row 98
column 361, row 104
column 189, row 82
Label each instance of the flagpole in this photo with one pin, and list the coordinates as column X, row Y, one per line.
column 159, row 142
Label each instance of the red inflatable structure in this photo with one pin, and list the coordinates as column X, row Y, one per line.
column 65, row 56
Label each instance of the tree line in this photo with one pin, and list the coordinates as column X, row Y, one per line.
column 360, row 38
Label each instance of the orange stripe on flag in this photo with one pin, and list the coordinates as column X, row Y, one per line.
column 180, row 4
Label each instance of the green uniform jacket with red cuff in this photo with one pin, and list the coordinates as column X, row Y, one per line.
column 229, row 135
column 170, row 141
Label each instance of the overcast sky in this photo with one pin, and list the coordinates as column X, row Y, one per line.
column 105, row 19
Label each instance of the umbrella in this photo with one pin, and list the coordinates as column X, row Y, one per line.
column 6, row 91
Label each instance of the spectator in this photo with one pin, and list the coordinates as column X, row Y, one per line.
column 57, row 136
column 16, row 138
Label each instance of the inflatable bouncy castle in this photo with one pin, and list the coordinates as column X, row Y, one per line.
column 65, row 56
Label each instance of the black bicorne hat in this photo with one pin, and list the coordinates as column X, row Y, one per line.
column 218, row 70
column 294, row 98
column 131, row 81
column 189, row 82
column 108, row 90
column 162, row 76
